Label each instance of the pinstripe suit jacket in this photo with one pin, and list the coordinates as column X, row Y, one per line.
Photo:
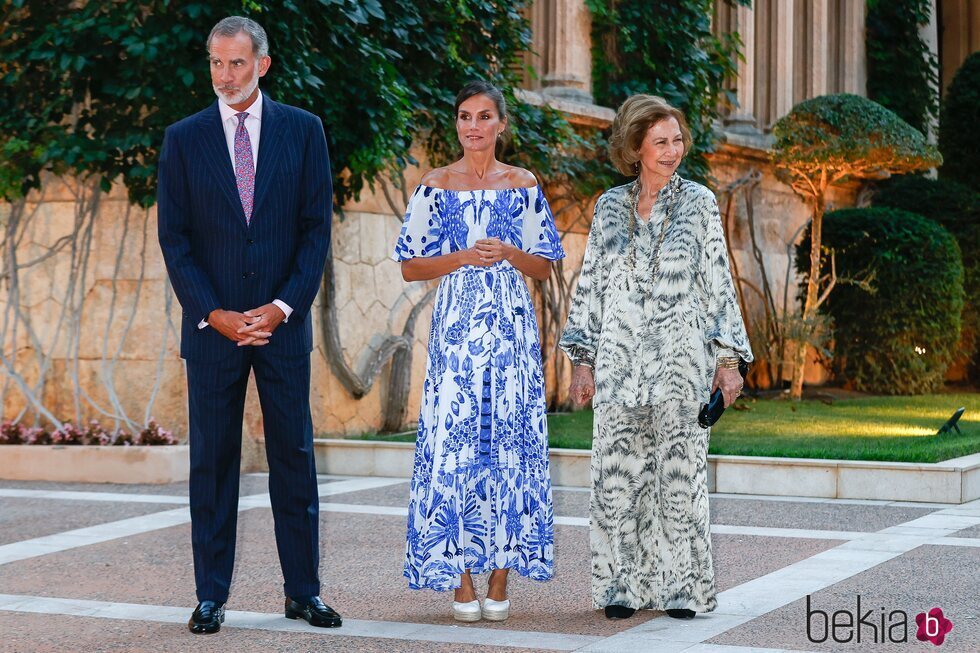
column 214, row 259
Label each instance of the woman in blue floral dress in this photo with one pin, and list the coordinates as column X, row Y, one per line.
column 481, row 489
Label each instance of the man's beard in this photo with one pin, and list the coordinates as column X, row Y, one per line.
column 242, row 94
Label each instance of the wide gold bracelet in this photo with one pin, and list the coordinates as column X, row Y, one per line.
column 581, row 356
column 727, row 363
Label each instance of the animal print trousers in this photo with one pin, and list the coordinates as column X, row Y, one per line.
column 651, row 547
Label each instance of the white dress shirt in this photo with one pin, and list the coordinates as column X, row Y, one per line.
column 253, row 125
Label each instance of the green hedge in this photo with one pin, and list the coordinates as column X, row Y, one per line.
column 951, row 204
column 900, row 287
column 957, row 208
column 959, row 139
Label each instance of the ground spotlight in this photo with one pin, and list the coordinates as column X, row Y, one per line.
column 950, row 424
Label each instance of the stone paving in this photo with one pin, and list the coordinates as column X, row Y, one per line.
column 88, row 567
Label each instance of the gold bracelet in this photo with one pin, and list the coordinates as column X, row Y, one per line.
column 728, row 363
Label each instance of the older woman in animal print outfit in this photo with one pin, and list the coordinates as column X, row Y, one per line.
column 654, row 328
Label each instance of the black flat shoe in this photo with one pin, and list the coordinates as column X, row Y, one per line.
column 619, row 612
column 681, row 613
column 207, row 618
column 314, row 611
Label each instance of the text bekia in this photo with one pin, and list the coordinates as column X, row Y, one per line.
column 845, row 626
column 878, row 627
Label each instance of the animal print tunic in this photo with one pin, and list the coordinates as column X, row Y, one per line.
column 647, row 339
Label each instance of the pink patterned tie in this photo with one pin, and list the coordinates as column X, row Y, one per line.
column 244, row 167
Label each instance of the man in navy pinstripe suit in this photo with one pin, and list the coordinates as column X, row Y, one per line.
column 244, row 231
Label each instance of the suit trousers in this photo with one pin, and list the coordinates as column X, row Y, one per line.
column 216, row 398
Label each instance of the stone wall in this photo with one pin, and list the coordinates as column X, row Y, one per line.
column 123, row 349
column 121, row 292
column 128, row 336
column 959, row 32
column 125, row 291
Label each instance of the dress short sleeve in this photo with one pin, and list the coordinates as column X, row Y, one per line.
column 420, row 235
column 539, row 234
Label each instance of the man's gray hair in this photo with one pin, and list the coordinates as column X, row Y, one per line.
column 233, row 25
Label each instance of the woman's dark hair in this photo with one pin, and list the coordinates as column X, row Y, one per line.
column 480, row 87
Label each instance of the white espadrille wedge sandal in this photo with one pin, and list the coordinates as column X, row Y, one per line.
column 469, row 611
column 496, row 610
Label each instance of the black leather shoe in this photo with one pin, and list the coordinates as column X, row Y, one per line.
column 619, row 612
column 314, row 611
column 681, row 613
column 207, row 618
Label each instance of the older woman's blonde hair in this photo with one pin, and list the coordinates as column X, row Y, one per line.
column 635, row 116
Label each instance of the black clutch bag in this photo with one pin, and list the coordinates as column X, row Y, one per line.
column 711, row 411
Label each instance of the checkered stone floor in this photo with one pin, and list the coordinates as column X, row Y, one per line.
column 108, row 568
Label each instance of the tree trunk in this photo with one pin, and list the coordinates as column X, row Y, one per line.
column 812, row 295
column 357, row 382
column 395, row 408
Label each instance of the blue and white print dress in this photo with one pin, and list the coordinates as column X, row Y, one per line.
column 481, row 487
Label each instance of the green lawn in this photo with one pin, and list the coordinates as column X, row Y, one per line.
column 872, row 428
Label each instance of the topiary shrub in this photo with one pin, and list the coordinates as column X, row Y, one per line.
column 824, row 141
column 957, row 208
column 959, row 140
column 896, row 308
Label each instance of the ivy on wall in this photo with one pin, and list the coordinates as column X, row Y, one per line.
column 86, row 89
column 665, row 49
column 903, row 73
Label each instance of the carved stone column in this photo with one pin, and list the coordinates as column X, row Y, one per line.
column 744, row 118
column 817, row 48
column 564, row 48
column 960, row 34
column 781, row 60
column 854, row 69
column 930, row 35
